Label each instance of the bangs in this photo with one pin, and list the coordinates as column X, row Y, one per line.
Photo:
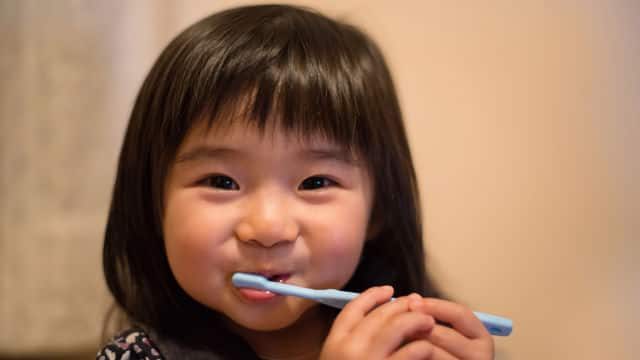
column 291, row 71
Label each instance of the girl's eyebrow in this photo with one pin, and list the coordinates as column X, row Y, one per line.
column 320, row 153
column 328, row 154
column 204, row 152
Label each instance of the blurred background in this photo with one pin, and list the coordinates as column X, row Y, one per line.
column 523, row 117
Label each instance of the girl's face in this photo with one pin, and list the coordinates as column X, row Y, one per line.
column 237, row 201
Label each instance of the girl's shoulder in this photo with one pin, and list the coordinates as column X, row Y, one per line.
column 130, row 344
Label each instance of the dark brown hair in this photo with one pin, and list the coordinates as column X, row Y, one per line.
column 317, row 76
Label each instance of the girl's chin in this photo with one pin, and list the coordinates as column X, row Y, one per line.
column 274, row 319
column 265, row 325
column 268, row 322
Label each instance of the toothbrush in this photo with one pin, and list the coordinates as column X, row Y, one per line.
column 496, row 325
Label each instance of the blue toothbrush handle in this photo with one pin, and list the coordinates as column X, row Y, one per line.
column 335, row 298
column 496, row 325
column 286, row 289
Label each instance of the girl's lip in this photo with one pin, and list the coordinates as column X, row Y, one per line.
column 255, row 295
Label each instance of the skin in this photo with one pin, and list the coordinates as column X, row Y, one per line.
column 371, row 327
column 238, row 200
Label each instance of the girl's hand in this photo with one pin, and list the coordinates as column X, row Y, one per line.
column 466, row 339
column 371, row 327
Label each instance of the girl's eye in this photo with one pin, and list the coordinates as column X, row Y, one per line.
column 316, row 182
column 220, row 182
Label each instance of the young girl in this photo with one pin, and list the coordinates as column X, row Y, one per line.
column 268, row 139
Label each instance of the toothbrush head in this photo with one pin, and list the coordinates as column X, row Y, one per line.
column 253, row 281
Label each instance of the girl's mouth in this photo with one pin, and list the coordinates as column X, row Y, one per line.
column 278, row 277
column 255, row 295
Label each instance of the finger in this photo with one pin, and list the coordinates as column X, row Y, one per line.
column 461, row 318
column 441, row 354
column 356, row 309
column 451, row 341
column 379, row 317
column 422, row 350
column 399, row 330
column 415, row 350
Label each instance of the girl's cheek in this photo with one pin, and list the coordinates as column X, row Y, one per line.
column 336, row 261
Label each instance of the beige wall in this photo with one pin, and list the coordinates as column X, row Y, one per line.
column 524, row 119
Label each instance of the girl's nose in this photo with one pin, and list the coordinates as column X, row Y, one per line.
column 267, row 222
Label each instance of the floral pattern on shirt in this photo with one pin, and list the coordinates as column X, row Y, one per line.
column 133, row 344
